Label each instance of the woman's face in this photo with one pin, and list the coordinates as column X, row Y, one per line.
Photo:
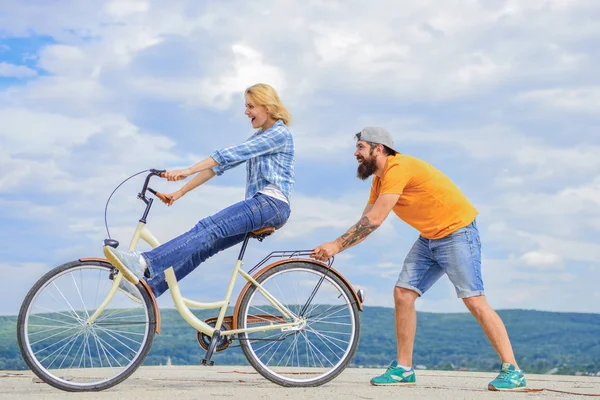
column 259, row 116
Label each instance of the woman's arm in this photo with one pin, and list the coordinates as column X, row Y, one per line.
column 179, row 174
column 202, row 177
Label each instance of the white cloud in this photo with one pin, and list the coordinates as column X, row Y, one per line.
column 444, row 77
column 125, row 8
column 248, row 66
column 34, row 133
column 585, row 100
column 16, row 71
column 22, row 277
column 540, row 259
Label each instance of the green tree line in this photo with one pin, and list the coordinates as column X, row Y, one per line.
column 569, row 342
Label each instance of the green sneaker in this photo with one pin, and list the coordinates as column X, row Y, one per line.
column 395, row 375
column 509, row 378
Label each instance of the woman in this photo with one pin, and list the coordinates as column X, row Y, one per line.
column 269, row 158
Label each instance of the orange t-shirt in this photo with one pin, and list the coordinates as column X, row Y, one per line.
column 429, row 201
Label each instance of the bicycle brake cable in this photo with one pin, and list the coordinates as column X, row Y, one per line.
column 109, row 197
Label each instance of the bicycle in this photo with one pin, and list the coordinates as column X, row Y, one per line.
column 84, row 327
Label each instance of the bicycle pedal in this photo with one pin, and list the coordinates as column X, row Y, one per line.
column 207, row 363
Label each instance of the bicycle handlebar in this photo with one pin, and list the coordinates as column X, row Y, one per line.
column 153, row 172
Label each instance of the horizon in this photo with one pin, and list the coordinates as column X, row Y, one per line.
column 366, row 306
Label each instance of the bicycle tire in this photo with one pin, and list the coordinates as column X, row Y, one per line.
column 281, row 378
column 107, row 326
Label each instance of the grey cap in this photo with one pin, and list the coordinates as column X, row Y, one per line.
column 375, row 134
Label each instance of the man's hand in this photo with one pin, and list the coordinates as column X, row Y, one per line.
column 172, row 197
column 178, row 174
column 325, row 251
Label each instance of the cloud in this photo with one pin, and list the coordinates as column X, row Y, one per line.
column 125, row 8
column 22, row 277
column 501, row 96
column 248, row 65
column 540, row 259
column 584, row 100
column 16, row 71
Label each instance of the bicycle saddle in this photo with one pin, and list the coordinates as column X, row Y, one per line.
column 262, row 233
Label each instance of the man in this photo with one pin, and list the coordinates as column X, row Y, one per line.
column 449, row 244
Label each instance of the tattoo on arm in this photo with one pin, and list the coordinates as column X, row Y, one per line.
column 358, row 232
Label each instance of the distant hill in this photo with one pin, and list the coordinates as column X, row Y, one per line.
column 569, row 342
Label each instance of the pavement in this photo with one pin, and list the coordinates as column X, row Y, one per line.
column 197, row 382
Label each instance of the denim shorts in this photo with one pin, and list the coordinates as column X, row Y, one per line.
column 457, row 255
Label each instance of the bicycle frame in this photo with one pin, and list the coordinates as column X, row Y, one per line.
column 183, row 304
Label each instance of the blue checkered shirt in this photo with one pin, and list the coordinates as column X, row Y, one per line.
column 269, row 157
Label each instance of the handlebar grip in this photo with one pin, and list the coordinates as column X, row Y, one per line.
column 162, row 197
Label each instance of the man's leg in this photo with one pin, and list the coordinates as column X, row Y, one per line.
column 406, row 323
column 419, row 272
column 493, row 327
column 459, row 255
column 510, row 377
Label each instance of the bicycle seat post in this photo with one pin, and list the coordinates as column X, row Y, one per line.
column 243, row 249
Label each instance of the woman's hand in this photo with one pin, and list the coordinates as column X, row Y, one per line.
column 172, row 197
column 177, row 174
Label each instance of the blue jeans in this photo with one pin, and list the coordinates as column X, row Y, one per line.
column 457, row 255
column 212, row 234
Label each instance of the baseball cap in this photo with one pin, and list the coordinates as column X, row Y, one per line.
column 375, row 134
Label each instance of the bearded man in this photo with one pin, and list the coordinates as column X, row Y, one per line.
column 449, row 244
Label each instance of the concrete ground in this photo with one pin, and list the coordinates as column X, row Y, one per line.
column 187, row 382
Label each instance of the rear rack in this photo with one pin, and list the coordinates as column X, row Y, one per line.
column 286, row 254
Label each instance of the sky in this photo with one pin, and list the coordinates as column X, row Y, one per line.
column 500, row 95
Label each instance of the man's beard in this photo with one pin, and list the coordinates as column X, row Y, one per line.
column 366, row 168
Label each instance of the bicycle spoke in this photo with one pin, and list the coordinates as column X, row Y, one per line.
column 263, row 312
column 73, row 312
column 50, row 337
column 270, row 346
column 323, row 340
column 329, row 339
column 312, row 351
column 322, row 316
column 54, row 312
column 54, row 344
column 64, row 347
column 68, row 340
column 117, row 339
column 68, row 352
column 79, row 293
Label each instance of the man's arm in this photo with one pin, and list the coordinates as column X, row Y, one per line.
column 373, row 217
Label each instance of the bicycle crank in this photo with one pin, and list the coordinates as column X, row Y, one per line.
column 223, row 341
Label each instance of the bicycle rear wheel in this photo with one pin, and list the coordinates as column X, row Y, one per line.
column 322, row 346
column 63, row 348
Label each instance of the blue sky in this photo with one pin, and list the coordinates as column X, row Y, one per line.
column 501, row 95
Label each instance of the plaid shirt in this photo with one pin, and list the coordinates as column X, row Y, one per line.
column 270, row 159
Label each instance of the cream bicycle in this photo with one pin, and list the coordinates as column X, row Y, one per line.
column 83, row 327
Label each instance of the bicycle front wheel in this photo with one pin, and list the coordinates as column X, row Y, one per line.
column 67, row 350
column 318, row 349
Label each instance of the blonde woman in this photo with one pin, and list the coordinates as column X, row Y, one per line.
column 269, row 158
